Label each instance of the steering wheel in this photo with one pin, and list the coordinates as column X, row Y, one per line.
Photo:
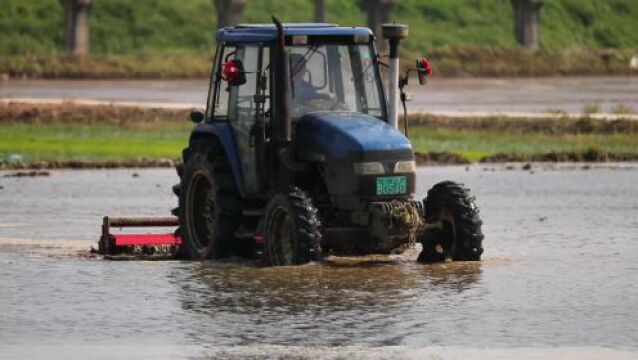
column 338, row 105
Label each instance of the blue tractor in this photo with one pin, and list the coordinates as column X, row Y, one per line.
column 298, row 155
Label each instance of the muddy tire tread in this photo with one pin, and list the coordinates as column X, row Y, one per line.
column 226, row 192
column 306, row 222
column 461, row 204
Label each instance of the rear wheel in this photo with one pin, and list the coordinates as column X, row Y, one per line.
column 454, row 231
column 291, row 229
column 208, row 208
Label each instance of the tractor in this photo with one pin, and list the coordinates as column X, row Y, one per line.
column 299, row 155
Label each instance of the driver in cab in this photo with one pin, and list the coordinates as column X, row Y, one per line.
column 302, row 90
column 306, row 96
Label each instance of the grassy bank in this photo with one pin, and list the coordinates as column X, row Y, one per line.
column 163, row 38
column 466, row 61
column 79, row 136
column 149, row 66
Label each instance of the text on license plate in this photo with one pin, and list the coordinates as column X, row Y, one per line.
column 392, row 185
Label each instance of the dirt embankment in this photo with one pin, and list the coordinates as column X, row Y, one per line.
column 97, row 164
column 121, row 115
column 86, row 114
column 587, row 156
column 439, row 158
column 448, row 62
column 554, row 125
column 504, row 62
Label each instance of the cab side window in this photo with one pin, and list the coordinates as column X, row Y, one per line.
column 219, row 92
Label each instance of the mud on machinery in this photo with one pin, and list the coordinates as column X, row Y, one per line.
column 298, row 155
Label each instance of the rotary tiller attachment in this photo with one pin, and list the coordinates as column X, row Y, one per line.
column 138, row 246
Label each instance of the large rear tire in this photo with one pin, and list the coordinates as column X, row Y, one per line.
column 209, row 204
column 292, row 235
column 459, row 236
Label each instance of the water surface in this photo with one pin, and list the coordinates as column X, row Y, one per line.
column 558, row 279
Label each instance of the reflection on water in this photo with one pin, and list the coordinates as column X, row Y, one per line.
column 367, row 303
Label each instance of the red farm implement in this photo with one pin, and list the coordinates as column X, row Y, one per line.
column 136, row 246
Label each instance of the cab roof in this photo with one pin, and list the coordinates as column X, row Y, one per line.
column 254, row 33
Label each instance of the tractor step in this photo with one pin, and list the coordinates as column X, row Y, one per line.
column 138, row 246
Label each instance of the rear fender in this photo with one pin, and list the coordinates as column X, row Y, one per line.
column 223, row 133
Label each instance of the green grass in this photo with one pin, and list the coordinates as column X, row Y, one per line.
column 68, row 141
column 476, row 144
column 85, row 142
column 122, row 26
column 165, row 38
column 185, row 65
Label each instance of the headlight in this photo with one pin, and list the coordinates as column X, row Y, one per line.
column 405, row 167
column 369, row 168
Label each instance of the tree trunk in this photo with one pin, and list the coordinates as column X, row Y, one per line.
column 527, row 18
column 229, row 12
column 320, row 11
column 76, row 26
column 379, row 12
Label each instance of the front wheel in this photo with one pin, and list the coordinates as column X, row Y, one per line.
column 453, row 226
column 292, row 235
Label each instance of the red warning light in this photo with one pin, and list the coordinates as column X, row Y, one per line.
column 424, row 69
column 230, row 71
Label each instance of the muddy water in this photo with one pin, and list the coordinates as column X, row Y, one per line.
column 558, row 279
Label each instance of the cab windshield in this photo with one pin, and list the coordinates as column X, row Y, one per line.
column 334, row 78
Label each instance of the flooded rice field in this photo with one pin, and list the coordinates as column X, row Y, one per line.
column 558, row 280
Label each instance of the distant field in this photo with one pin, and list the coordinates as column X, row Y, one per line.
column 63, row 142
column 164, row 38
column 61, row 134
column 476, row 145
column 90, row 142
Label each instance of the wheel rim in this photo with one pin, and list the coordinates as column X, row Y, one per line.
column 448, row 233
column 201, row 212
column 281, row 238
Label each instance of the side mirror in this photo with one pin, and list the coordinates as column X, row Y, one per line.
column 197, row 116
column 423, row 69
column 233, row 73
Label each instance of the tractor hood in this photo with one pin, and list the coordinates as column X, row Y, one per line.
column 349, row 136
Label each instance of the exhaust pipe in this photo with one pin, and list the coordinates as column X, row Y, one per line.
column 282, row 80
column 394, row 33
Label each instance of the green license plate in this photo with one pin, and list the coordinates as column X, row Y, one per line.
column 392, row 185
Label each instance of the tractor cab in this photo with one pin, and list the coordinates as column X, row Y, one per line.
column 330, row 69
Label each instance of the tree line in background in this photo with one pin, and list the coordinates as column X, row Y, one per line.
column 230, row 13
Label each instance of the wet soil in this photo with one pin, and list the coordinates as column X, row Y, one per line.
column 590, row 155
column 439, row 158
column 557, row 280
column 552, row 125
column 586, row 156
column 422, row 159
column 32, row 173
column 92, row 164
column 87, row 114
